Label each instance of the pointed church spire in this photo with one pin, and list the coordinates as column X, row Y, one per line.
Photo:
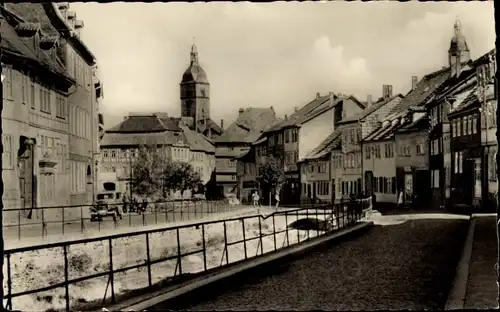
column 194, row 55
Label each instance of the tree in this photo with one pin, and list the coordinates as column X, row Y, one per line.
column 272, row 175
column 180, row 176
column 272, row 172
column 147, row 172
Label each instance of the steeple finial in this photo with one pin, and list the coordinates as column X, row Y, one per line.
column 194, row 54
column 457, row 25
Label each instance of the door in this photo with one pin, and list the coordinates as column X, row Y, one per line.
column 26, row 181
column 369, row 182
column 309, row 191
column 333, row 190
column 314, row 189
column 478, row 187
column 408, row 190
column 468, row 183
column 422, row 189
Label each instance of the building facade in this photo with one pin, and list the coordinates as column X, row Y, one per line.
column 39, row 100
column 237, row 139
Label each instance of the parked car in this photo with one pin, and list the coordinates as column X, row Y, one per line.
column 107, row 205
column 197, row 197
column 231, row 199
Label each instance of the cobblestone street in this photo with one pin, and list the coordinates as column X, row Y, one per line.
column 405, row 266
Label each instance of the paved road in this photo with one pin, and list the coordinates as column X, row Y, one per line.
column 128, row 220
column 404, row 266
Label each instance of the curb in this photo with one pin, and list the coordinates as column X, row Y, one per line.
column 458, row 292
column 151, row 300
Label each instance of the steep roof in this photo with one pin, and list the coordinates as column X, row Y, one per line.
column 51, row 21
column 421, row 123
column 315, row 105
column 197, row 141
column 145, row 123
column 24, row 47
column 369, row 110
column 467, row 100
column 135, row 139
column 425, row 87
column 331, row 142
column 249, row 125
column 386, row 130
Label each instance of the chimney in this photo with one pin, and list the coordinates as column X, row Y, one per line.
column 317, row 95
column 241, row 111
column 386, row 91
column 332, row 97
column 78, row 26
column 368, row 100
column 286, row 117
column 71, row 17
column 414, row 81
column 222, row 124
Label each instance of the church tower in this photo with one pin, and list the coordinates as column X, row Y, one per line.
column 195, row 94
column 459, row 53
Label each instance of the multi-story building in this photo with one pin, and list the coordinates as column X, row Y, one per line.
column 357, row 127
column 317, row 176
column 473, row 140
column 296, row 136
column 412, row 160
column 172, row 139
column 235, row 140
column 40, row 93
column 459, row 76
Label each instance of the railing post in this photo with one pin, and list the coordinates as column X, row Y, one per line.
column 179, row 256
column 66, row 276
column 9, row 283
column 148, row 255
column 156, row 214
column 307, row 217
column 274, row 232
column 244, row 237
column 173, row 210
column 111, row 273
column 144, row 217
column 62, row 216
column 19, row 224
column 130, row 215
column 317, row 221
column 260, row 237
column 182, row 208
column 298, row 234
column 204, row 247
column 81, row 219
column 286, row 229
column 225, row 243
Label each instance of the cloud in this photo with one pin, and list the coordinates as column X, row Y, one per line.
column 278, row 54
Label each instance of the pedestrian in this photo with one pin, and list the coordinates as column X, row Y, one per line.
column 255, row 199
column 277, row 197
column 400, row 198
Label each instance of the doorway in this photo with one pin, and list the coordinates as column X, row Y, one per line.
column 408, row 188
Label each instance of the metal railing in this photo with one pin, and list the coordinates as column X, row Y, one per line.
column 257, row 235
column 64, row 220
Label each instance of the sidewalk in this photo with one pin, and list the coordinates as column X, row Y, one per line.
column 475, row 285
column 36, row 241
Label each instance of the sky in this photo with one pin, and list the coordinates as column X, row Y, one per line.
column 271, row 54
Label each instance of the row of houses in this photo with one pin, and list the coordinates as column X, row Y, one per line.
column 435, row 146
column 51, row 96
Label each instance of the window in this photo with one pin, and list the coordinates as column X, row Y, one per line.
column 287, row 136
column 474, row 124
column 323, row 188
column 24, row 88
column 7, row 83
column 435, row 178
column 464, row 126
column 7, row 154
column 388, row 152
column 420, row 149
column 367, row 152
column 113, row 154
column 377, row 151
column 469, row 124
column 492, row 165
